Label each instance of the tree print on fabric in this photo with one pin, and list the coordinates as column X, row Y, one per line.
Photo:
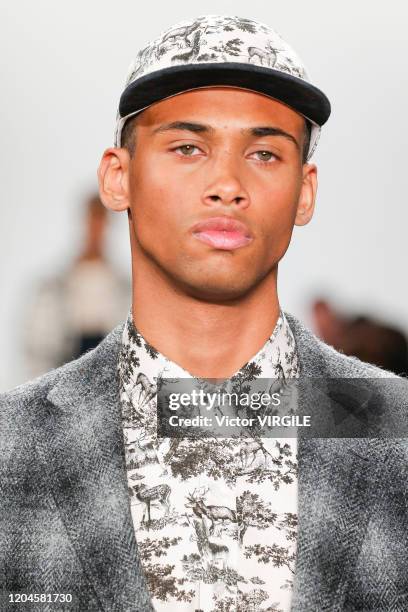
column 276, row 555
column 248, row 373
column 247, row 602
column 130, row 361
column 282, row 471
column 213, row 457
column 226, row 49
column 162, row 584
column 252, row 511
column 245, row 25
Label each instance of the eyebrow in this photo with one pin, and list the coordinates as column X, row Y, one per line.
column 187, row 126
column 273, row 131
column 199, row 128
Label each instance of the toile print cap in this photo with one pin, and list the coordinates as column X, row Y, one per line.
column 215, row 50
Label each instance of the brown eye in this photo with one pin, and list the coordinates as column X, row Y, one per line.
column 264, row 155
column 187, row 149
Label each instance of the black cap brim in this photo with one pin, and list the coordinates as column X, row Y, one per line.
column 300, row 95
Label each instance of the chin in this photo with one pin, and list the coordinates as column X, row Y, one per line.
column 219, row 289
column 214, row 280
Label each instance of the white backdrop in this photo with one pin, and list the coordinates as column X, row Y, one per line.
column 62, row 71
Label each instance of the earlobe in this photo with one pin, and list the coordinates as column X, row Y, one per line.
column 113, row 178
column 307, row 196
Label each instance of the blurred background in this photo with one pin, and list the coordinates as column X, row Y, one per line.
column 65, row 264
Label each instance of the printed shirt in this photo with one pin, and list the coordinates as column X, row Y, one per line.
column 215, row 519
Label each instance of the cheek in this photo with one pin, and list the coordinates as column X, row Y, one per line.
column 157, row 203
column 279, row 198
column 148, row 192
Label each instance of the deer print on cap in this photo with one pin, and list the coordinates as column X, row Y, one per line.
column 214, row 39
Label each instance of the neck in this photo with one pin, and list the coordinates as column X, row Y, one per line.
column 209, row 340
column 91, row 253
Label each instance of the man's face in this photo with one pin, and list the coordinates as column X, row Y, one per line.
column 203, row 159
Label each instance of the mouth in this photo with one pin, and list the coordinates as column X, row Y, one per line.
column 222, row 233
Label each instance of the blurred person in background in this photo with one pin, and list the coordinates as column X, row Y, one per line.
column 71, row 312
column 363, row 337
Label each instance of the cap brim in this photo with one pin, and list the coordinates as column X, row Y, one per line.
column 300, row 95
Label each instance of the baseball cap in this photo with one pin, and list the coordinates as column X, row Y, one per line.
column 224, row 51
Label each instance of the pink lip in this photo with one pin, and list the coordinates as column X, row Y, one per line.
column 222, row 233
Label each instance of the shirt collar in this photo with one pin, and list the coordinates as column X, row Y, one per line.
column 276, row 358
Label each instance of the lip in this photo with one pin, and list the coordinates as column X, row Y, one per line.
column 223, row 233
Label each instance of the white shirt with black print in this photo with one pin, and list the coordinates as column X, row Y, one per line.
column 215, row 518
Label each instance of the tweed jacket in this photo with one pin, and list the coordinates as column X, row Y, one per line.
column 65, row 521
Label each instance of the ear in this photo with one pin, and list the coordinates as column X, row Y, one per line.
column 113, row 177
column 307, row 196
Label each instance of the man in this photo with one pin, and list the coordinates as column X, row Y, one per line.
column 215, row 127
column 73, row 310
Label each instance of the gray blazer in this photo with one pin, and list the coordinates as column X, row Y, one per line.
column 65, row 522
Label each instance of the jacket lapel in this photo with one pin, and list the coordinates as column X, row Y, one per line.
column 333, row 496
column 84, row 455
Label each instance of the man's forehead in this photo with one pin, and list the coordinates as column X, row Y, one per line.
column 222, row 107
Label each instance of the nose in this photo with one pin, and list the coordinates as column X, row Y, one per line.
column 225, row 184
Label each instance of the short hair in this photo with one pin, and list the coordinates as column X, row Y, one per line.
column 128, row 137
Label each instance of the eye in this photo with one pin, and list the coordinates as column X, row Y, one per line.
column 264, row 156
column 187, row 150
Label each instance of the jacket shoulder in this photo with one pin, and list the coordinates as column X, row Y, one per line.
column 24, row 408
column 345, row 366
column 27, row 392
column 37, row 388
column 103, row 356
